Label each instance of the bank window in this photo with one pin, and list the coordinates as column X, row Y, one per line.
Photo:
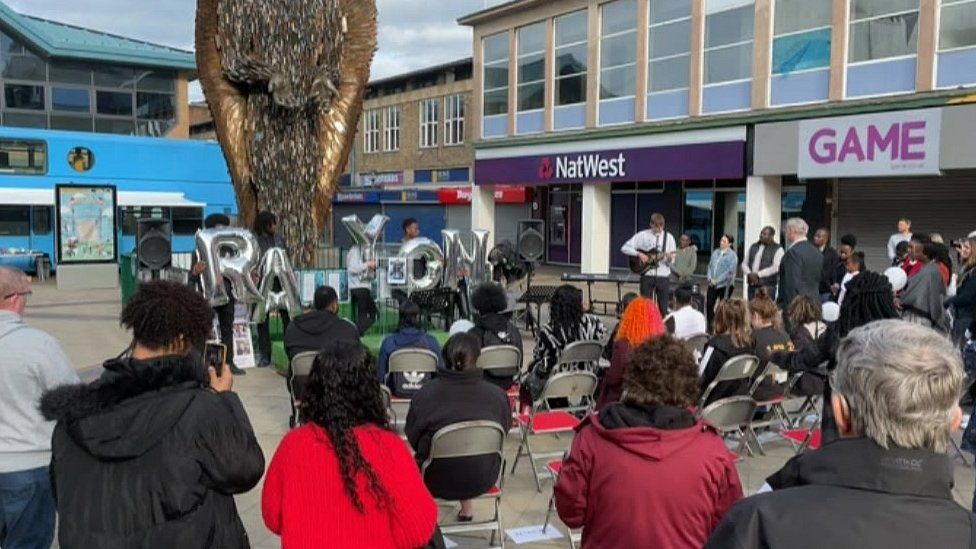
column 729, row 28
column 699, row 206
column 454, row 120
column 618, row 49
column 532, row 67
column 429, row 110
column 958, row 26
column 801, row 35
column 186, row 221
column 24, row 96
column 882, row 29
column 496, row 74
column 371, row 135
column 571, row 58
column 669, row 45
column 23, row 157
column 41, row 220
column 391, row 129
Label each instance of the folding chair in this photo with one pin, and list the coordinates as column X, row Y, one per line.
column 696, row 344
column 299, row 370
column 554, row 468
column 580, row 354
column 732, row 415
column 503, row 357
column 542, row 419
column 775, row 415
column 737, row 368
column 409, row 362
column 469, row 439
column 804, row 439
column 811, row 403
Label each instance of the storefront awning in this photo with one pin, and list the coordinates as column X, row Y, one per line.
column 45, row 197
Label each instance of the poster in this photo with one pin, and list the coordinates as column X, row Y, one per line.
column 243, row 344
column 309, row 280
column 86, row 223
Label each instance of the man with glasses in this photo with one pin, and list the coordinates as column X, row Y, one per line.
column 31, row 362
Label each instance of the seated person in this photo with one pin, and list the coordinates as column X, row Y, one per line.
column 685, row 321
column 732, row 338
column 625, row 302
column 887, row 482
column 640, row 322
column 567, row 324
column 769, row 337
column 806, row 321
column 647, row 456
column 458, row 393
column 494, row 328
column 409, row 334
column 317, row 328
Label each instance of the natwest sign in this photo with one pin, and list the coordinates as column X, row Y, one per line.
column 590, row 166
column 885, row 144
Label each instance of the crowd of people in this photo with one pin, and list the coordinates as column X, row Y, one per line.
column 152, row 453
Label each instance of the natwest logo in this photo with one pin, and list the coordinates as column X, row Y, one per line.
column 545, row 169
column 591, row 166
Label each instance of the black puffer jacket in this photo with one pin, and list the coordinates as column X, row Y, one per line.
column 496, row 329
column 146, row 457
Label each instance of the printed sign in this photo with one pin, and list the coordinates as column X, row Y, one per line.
column 86, row 223
column 884, row 144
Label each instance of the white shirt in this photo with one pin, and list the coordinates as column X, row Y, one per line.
column 356, row 269
column 843, row 286
column 757, row 261
column 687, row 322
column 893, row 243
column 648, row 240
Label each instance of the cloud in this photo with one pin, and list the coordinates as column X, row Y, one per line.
column 412, row 33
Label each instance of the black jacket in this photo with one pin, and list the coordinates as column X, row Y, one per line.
column 496, row 329
column 146, row 457
column 717, row 352
column 313, row 330
column 848, row 494
column 453, row 397
column 831, row 259
column 799, row 273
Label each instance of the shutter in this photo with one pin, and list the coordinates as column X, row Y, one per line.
column 459, row 218
column 507, row 217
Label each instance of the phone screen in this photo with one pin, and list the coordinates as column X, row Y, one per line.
column 215, row 354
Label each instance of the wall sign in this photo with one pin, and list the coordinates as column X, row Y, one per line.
column 504, row 194
column 379, row 179
column 883, row 144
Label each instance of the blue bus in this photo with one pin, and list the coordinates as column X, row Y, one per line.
column 181, row 181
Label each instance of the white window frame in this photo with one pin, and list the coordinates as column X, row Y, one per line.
column 602, row 69
column 804, row 30
column 496, row 63
column 706, row 49
column 429, row 122
column 371, row 131
column 651, row 60
column 852, row 22
column 946, row 4
column 454, row 110
column 556, row 78
column 518, row 65
column 391, row 129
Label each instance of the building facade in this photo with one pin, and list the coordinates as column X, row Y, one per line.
column 705, row 110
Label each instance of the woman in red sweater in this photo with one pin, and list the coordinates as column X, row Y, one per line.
column 345, row 479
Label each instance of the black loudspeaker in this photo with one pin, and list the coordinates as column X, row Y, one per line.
column 154, row 246
column 531, row 240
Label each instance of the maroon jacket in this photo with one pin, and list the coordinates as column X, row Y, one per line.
column 613, row 382
column 646, row 477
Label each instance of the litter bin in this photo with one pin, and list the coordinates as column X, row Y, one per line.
column 42, row 267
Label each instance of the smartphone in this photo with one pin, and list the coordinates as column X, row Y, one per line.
column 215, row 355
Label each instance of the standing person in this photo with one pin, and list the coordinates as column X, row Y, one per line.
column 922, row 300
column 410, row 334
column 685, row 321
column 721, row 274
column 345, row 479
column 656, row 250
column 266, row 231
column 760, row 266
column 31, row 362
column 964, row 302
column 640, row 322
column 732, row 338
column 848, row 245
column 647, row 456
column 802, row 265
column 360, row 293
column 904, row 234
column 411, row 229
column 459, row 393
column 831, row 259
column 491, row 327
column 854, row 266
column 152, row 453
column 685, row 260
column 887, row 483
column 225, row 312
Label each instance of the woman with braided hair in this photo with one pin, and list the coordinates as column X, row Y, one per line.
column 869, row 298
column 345, row 479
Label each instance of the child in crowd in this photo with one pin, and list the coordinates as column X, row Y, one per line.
column 854, row 266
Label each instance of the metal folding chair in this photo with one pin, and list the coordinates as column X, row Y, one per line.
column 298, row 371
column 696, row 344
column 543, row 420
column 580, row 354
column 504, row 357
column 469, row 439
column 554, row 468
column 409, row 362
column 737, row 368
column 732, row 415
column 804, row 439
column 775, row 416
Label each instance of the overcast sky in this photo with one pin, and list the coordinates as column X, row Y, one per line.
column 413, row 33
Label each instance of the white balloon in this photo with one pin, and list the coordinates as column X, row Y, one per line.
column 831, row 311
column 897, row 277
column 462, row 326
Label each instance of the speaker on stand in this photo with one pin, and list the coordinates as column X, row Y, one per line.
column 154, row 245
column 530, row 244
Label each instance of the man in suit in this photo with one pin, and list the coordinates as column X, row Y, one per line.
column 802, row 266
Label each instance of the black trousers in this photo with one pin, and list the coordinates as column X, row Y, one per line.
column 264, row 335
column 364, row 308
column 659, row 288
column 713, row 297
column 225, row 322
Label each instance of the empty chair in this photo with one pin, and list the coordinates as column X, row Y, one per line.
column 298, row 372
column 739, row 369
column 732, row 415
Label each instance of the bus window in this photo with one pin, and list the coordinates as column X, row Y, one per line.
column 41, row 220
column 23, row 157
column 14, row 221
column 81, row 159
column 186, row 221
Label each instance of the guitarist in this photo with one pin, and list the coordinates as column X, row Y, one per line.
column 653, row 251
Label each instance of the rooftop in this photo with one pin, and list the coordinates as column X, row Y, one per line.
column 493, row 12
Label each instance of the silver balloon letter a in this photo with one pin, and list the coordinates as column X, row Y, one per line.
column 365, row 236
column 276, row 266
column 229, row 254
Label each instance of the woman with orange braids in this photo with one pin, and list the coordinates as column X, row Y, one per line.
column 640, row 322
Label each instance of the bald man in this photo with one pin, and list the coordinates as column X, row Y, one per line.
column 31, row 362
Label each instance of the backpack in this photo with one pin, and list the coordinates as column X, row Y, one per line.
column 406, row 385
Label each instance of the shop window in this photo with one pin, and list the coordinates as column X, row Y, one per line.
column 429, row 115
column 70, row 100
column 802, row 35
column 14, row 221
column 618, row 49
column 114, row 77
column 24, row 96
column 571, row 58
column 115, row 125
column 729, row 27
column 113, row 103
column 391, row 129
column 531, row 67
column 495, row 56
column 81, row 159
column 155, row 106
column 41, row 220
column 882, row 29
column 24, row 66
column 454, row 119
column 698, row 216
column 23, row 157
column 67, row 73
column 161, row 81
column 371, row 135
column 958, row 25
column 669, row 45
column 187, row 221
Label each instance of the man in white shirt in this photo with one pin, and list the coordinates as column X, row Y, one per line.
column 760, row 266
column 656, row 249
column 359, row 289
column 685, row 321
column 904, row 234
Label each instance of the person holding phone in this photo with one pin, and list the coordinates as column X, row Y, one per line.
column 151, row 454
